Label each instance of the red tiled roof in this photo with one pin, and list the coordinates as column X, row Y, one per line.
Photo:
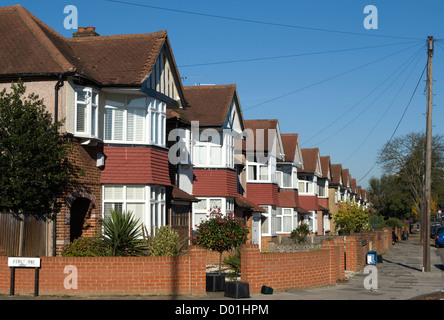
column 288, row 198
column 29, row 46
column 325, row 164
column 290, row 142
column 310, row 158
column 309, row 202
column 336, row 173
column 208, row 104
column 264, row 124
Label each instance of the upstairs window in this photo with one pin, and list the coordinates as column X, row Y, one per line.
column 86, row 113
column 134, row 119
column 214, row 149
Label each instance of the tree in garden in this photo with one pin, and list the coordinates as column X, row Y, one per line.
column 220, row 233
column 351, row 217
column 32, row 154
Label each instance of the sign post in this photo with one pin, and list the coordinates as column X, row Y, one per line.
column 20, row 262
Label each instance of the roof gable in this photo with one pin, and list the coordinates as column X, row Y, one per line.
column 292, row 147
column 312, row 161
column 336, row 174
column 211, row 105
column 326, row 170
column 264, row 132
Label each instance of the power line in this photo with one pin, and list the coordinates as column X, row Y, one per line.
column 399, row 122
column 327, row 79
column 409, row 60
column 275, row 24
column 291, row 55
column 357, row 103
column 383, row 115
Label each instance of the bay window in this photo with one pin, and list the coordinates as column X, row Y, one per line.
column 286, row 176
column 268, row 221
column 204, row 206
column 146, row 203
column 128, row 116
column 286, row 220
column 86, row 112
column 214, row 149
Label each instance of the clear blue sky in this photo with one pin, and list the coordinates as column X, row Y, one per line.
column 347, row 102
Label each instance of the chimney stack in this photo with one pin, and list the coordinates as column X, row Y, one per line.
column 85, row 32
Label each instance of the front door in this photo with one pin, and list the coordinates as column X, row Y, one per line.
column 79, row 209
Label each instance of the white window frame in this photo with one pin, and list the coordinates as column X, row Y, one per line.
column 153, row 129
column 91, row 112
column 211, row 139
column 227, row 205
column 312, row 217
column 268, row 221
column 285, row 213
column 153, row 200
column 293, row 178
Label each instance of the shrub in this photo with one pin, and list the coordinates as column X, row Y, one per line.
column 299, row 235
column 234, row 261
column 122, row 235
column 351, row 218
column 84, row 247
column 164, row 243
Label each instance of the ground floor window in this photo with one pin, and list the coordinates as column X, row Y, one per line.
column 286, row 220
column 204, row 206
column 145, row 202
column 268, row 221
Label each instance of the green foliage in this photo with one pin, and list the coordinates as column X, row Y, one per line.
column 164, row 243
column 234, row 261
column 299, row 235
column 85, row 247
column 32, row 153
column 394, row 222
column 351, row 218
column 220, row 233
column 122, row 235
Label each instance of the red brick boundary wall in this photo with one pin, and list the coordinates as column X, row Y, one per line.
column 185, row 275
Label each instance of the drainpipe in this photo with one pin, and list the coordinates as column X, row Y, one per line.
column 57, row 87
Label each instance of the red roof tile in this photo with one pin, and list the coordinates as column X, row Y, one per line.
column 29, row 46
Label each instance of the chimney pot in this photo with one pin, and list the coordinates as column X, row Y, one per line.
column 91, row 29
column 81, row 29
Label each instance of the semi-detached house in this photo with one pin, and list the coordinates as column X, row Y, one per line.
column 114, row 93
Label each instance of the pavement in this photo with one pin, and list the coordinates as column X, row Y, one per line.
column 400, row 276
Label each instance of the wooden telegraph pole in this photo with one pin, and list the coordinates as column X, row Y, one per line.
column 428, row 160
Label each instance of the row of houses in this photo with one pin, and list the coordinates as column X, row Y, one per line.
column 169, row 153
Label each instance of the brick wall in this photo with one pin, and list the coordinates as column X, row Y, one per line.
column 285, row 271
column 185, row 275
column 113, row 275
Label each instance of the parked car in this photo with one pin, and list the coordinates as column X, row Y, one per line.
column 433, row 230
column 439, row 237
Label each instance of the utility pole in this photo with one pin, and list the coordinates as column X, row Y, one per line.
column 428, row 159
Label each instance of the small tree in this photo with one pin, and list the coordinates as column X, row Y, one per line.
column 32, row 154
column 351, row 218
column 165, row 243
column 220, row 233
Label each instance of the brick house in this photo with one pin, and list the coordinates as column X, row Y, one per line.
column 309, row 178
column 114, row 93
column 217, row 179
column 289, row 212
column 263, row 149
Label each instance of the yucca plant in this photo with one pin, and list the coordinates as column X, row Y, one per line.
column 122, row 235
